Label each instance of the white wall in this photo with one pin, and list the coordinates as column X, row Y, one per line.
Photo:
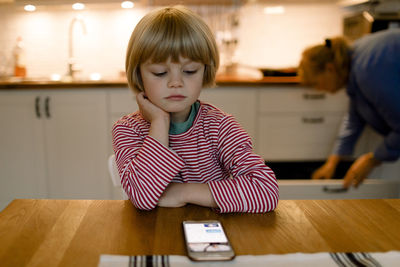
column 264, row 40
column 45, row 36
column 269, row 40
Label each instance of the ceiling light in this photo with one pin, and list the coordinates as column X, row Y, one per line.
column 127, row 4
column 78, row 6
column 29, row 8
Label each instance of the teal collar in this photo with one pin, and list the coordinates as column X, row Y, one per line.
column 181, row 127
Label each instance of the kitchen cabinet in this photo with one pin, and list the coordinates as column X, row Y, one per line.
column 22, row 159
column 54, row 144
column 238, row 101
column 296, row 123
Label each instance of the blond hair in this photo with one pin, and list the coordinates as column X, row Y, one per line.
column 171, row 32
column 315, row 58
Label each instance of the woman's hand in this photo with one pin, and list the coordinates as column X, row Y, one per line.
column 158, row 118
column 359, row 170
column 327, row 170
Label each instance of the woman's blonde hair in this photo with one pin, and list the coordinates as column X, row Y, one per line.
column 314, row 60
column 171, row 32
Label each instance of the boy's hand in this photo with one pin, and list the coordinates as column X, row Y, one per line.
column 150, row 111
column 158, row 118
column 173, row 196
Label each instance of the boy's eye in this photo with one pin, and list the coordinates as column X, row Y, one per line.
column 159, row 74
column 190, row 71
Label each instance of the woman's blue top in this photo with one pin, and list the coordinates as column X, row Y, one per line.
column 374, row 91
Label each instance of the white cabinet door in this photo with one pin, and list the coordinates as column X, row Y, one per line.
column 54, row 143
column 241, row 102
column 76, row 144
column 296, row 123
column 22, row 165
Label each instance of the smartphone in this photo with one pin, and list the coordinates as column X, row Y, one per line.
column 207, row 241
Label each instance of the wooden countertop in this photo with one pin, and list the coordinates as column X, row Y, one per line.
column 76, row 232
column 221, row 80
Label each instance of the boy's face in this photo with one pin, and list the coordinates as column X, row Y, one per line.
column 173, row 87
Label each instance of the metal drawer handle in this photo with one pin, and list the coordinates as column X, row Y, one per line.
column 317, row 120
column 37, row 107
column 47, row 107
column 334, row 190
column 314, row 96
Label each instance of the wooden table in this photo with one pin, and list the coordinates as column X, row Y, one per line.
column 77, row 232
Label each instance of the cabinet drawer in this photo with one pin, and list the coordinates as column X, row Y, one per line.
column 286, row 99
column 122, row 101
column 238, row 101
column 297, row 137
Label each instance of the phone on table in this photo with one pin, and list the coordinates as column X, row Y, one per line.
column 207, row 241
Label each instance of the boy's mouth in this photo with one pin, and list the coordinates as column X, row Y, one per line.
column 176, row 97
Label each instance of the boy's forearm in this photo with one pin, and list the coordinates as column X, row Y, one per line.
column 159, row 131
column 199, row 194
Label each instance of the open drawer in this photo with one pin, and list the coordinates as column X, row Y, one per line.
column 332, row 189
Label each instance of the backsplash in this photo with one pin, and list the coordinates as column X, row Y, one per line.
column 264, row 40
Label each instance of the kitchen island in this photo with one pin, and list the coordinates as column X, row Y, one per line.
column 76, row 232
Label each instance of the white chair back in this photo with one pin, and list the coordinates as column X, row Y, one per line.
column 113, row 171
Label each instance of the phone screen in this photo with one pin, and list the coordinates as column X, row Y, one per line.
column 206, row 237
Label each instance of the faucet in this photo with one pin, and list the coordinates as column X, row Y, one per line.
column 72, row 67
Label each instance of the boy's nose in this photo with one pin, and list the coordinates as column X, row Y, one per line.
column 175, row 81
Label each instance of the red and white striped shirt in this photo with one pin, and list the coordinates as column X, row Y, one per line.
column 215, row 150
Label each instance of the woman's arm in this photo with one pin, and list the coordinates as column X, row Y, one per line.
column 350, row 130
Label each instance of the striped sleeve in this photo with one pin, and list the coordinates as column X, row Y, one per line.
column 253, row 186
column 145, row 166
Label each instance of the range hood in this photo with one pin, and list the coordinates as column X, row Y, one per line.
column 372, row 6
column 360, row 24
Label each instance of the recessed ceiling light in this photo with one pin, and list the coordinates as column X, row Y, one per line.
column 29, row 8
column 127, row 4
column 78, row 6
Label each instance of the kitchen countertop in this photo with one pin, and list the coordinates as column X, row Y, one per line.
column 221, row 80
